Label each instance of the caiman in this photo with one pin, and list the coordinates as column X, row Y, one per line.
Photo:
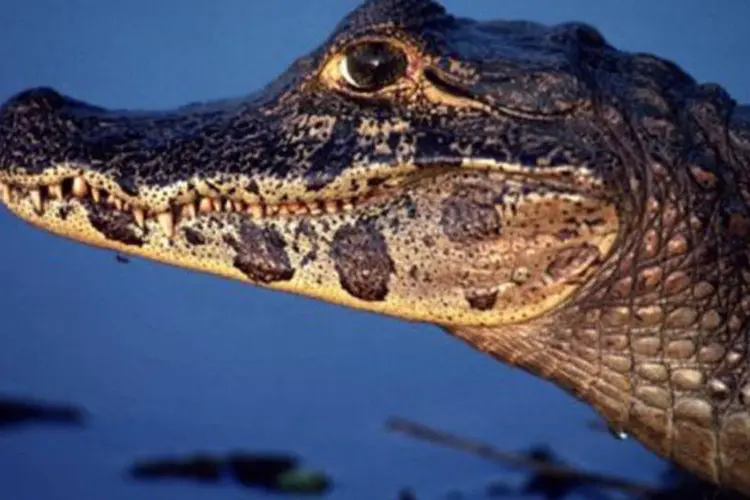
column 572, row 209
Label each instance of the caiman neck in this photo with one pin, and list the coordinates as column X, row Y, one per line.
column 658, row 343
column 673, row 393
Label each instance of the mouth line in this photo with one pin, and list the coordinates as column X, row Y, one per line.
column 77, row 189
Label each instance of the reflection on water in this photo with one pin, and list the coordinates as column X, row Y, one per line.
column 277, row 473
column 19, row 411
column 544, row 474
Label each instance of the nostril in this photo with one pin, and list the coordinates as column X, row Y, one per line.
column 35, row 99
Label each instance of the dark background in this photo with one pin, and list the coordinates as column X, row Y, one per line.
column 167, row 361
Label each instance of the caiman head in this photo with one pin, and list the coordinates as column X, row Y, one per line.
column 417, row 164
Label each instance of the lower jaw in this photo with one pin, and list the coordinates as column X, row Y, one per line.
column 212, row 257
column 72, row 220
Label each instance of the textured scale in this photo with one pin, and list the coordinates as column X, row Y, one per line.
column 570, row 208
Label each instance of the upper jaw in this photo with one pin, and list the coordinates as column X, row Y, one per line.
column 249, row 150
column 228, row 157
column 253, row 155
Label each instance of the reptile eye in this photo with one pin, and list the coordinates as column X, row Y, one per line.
column 372, row 66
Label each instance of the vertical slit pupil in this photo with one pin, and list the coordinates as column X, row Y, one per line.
column 375, row 65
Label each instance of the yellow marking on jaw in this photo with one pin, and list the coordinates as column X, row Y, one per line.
column 440, row 96
column 531, row 242
column 556, row 294
column 428, row 283
column 319, row 282
column 577, row 176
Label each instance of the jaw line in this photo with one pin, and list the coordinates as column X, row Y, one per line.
column 71, row 182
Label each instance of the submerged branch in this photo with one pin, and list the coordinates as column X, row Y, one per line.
column 542, row 468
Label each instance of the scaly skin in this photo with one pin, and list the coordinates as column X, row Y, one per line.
column 576, row 210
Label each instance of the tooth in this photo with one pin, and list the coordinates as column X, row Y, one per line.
column 80, row 187
column 314, row 208
column 5, row 191
column 272, row 210
column 188, row 211
column 347, row 205
column 218, row 205
column 117, row 202
column 283, row 210
column 206, row 205
column 36, row 200
column 140, row 217
column 294, row 208
column 255, row 211
column 237, row 206
column 330, row 206
column 96, row 195
column 55, row 191
column 166, row 220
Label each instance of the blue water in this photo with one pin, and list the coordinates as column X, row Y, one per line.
column 167, row 361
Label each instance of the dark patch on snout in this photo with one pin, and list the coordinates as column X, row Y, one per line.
column 63, row 212
column 252, row 187
column 360, row 254
column 194, row 237
column 465, row 219
column 481, row 301
column 261, row 254
column 127, row 184
column 113, row 224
